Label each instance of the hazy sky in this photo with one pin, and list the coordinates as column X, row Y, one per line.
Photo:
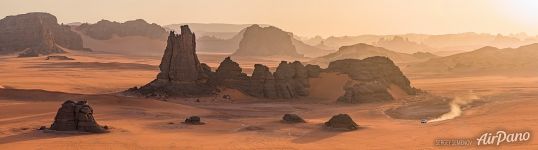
column 305, row 17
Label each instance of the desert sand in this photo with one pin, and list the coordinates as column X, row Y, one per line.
column 34, row 88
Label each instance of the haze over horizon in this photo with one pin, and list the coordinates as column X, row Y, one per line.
column 306, row 17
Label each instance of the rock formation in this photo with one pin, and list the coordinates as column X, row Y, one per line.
column 266, row 41
column 194, row 120
column 291, row 80
column 262, row 83
column 76, row 116
column 104, row 29
column 292, row 118
column 181, row 74
column 341, row 122
column 371, row 79
column 36, row 34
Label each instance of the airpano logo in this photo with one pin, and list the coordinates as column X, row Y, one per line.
column 503, row 137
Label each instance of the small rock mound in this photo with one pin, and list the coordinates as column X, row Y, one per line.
column 194, row 120
column 341, row 122
column 292, row 118
column 58, row 57
column 76, row 116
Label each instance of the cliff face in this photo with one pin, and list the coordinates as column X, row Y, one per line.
column 266, row 41
column 104, row 29
column 35, row 34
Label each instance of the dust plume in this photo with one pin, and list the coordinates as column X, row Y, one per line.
column 455, row 106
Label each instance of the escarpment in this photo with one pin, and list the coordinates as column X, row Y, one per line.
column 35, row 34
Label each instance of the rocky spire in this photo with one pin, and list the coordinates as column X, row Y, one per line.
column 179, row 62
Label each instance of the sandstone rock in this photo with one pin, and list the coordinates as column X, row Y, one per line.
column 372, row 77
column 291, row 80
column 76, row 116
column 181, row 74
column 194, row 120
column 262, row 83
column 341, row 122
column 313, row 70
column 292, row 118
column 36, row 34
column 229, row 74
column 229, row 69
column 180, row 62
column 266, row 41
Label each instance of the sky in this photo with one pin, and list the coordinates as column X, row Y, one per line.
column 305, row 17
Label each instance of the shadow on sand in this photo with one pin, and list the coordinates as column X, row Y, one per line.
column 37, row 135
column 320, row 134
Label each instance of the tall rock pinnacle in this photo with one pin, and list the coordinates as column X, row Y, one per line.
column 179, row 62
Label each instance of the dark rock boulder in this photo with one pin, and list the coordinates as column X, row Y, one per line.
column 341, row 122
column 194, row 120
column 76, row 116
column 292, row 118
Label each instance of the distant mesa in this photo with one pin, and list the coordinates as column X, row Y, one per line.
column 484, row 60
column 259, row 41
column 35, row 34
column 266, row 41
column 182, row 75
column 362, row 51
column 105, row 30
column 402, row 44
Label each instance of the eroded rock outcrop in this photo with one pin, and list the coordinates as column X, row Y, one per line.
column 181, row 74
column 36, row 34
column 76, row 116
column 372, row 78
column 291, row 80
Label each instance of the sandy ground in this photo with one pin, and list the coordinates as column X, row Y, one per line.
column 40, row 86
